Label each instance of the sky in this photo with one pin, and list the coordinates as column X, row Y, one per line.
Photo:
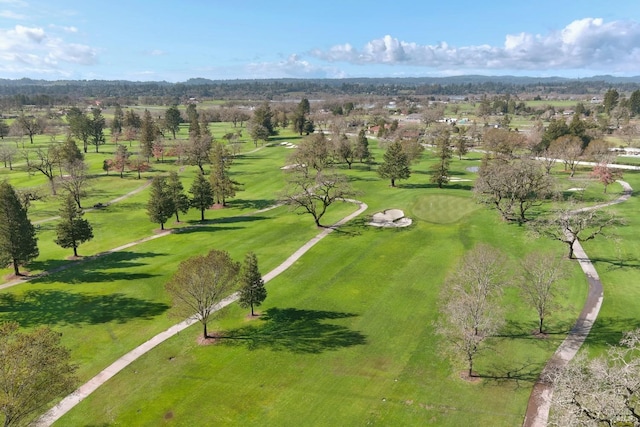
column 162, row 40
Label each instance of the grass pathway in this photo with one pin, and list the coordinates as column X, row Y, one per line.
column 90, row 386
column 537, row 414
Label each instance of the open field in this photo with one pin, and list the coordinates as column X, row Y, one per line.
column 349, row 326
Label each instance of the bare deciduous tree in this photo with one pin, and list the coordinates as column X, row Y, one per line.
column 470, row 308
column 540, row 273
column 76, row 180
column 568, row 148
column 313, row 192
column 570, row 225
column 45, row 162
column 514, row 187
column 599, row 392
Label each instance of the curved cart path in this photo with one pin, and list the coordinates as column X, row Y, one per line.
column 116, row 200
column 540, row 399
column 89, row 387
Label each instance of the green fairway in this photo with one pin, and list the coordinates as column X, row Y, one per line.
column 346, row 335
column 443, row 209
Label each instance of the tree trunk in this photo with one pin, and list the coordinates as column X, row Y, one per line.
column 570, row 250
column 252, row 310
column 470, row 366
column 53, row 185
column 75, row 251
column 177, row 217
column 16, row 267
column 201, row 214
column 204, row 324
column 540, row 325
column 162, row 226
column 393, row 182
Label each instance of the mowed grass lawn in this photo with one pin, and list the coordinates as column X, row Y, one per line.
column 346, row 335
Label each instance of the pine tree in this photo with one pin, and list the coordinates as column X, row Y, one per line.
column 221, row 184
column 176, row 192
column 160, row 206
column 395, row 165
column 252, row 290
column 72, row 230
column 440, row 170
column 18, row 242
column 362, row 147
column 202, row 194
column 148, row 133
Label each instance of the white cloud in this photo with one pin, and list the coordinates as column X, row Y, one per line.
column 588, row 43
column 26, row 50
column 8, row 14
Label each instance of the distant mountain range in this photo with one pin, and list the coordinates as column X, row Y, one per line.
column 404, row 81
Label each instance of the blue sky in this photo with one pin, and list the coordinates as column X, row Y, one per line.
column 236, row 39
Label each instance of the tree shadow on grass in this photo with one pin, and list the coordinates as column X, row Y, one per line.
column 90, row 269
column 448, row 186
column 55, row 307
column 296, row 331
column 501, row 371
column 621, row 262
column 252, row 204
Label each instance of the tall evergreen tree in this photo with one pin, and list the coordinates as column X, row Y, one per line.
column 252, row 290
column 362, row 146
column 148, row 133
column 118, row 121
column 440, row 170
column 172, row 120
column 202, row 194
column 72, row 230
column 176, row 192
column 160, row 205
column 221, row 183
column 395, row 165
column 96, row 125
column 18, row 242
column 79, row 126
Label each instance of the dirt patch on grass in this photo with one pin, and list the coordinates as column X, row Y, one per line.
column 211, row 339
column 470, row 378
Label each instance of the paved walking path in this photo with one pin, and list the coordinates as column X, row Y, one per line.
column 116, row 200
column 540, row 399
column 89, row 387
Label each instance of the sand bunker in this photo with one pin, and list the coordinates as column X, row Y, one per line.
column 456, row 179
column 390, row 218
column 576, row 189
column 288, row 145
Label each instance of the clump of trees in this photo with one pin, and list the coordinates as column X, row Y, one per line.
column 513, row 187
column 312, row 185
